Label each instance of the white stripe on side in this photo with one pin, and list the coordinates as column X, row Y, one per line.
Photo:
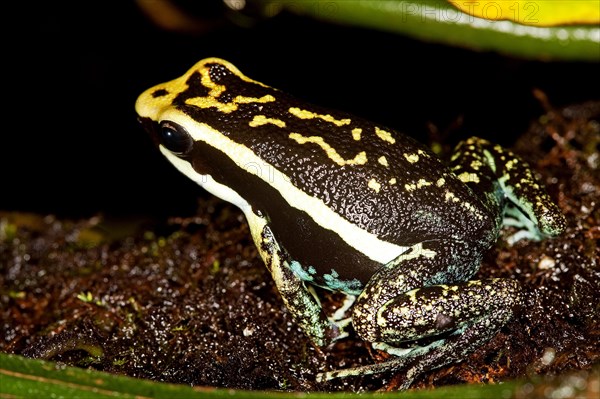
column 363, row 241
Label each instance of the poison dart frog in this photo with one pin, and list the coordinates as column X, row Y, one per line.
column 336, row 201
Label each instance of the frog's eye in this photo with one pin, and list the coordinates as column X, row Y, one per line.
column 175, row 138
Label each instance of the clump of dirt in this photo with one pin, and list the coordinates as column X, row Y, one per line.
column 189, row 300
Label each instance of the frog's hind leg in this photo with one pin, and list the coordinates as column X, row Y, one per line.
column 455, row 318
column 468, row 326
column 494, row 171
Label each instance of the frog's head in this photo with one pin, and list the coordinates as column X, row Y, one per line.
column 192, row 107
column 193, row 118
column 163, row 109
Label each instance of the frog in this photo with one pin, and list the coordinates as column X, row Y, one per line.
column 335, row 201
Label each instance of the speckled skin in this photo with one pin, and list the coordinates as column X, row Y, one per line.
column 336, row 201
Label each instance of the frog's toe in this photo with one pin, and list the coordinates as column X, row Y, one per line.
column 409, row 359
column 548, row 221
column 393, row 364
column 551, row 221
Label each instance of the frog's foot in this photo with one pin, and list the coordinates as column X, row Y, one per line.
column 514, row 217
column 418, row 359
column 402, row 357
column 462, row 317
column 500, row 175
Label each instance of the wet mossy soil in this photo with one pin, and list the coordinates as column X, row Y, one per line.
column 188, row 300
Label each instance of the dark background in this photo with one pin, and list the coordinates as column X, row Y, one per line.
column 70, row 143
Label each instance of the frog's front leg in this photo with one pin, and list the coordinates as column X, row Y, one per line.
column 303, row 305
column 498, row 174
column 404, row 301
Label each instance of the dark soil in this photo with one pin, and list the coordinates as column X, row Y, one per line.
column 189, row 301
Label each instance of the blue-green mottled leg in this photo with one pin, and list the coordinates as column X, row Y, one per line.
column 392, row 310
column 495, row 171
column 298, row 299
column 425, row 265
column 489, row 304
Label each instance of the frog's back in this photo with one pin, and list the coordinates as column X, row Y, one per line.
column 367, row 174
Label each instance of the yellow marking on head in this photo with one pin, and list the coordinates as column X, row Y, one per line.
column 356, row 133
column 260, row 120
column 392, row 181
column 467, row 177
column 216, row 90
column 305, row 114
column 383, row 160
column 247, row 100
column 359, row 159
column 384, row 135
column 208, row 101
column 374, row 185
column 412, row 158
column 152, row 105
column 440, row 182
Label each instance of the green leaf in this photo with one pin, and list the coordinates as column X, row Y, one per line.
column 439, row 21
column 30, row 378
